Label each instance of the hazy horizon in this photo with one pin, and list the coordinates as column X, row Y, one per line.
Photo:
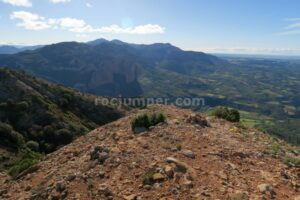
column 236, row 27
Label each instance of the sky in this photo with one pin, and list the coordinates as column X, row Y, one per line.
column 218, row 26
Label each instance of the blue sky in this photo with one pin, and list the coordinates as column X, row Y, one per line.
column 230, row 26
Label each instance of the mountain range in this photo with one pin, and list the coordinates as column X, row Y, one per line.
column 109, row 68
column 12, row 49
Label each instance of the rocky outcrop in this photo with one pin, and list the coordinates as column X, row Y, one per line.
column 221, row 161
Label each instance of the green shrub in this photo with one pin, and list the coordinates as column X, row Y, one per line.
column 22, row 105
column 231, row 115
column 5, row 129
column 156, row 118
column 146, row 120
column 27, row 158
column 33, row 146
column 141, row 121
column 7, row 133
column 148, row 177
column 63, row 136
column 292, row 161
column 178, row 147
column 46, row 147
column 17, row 138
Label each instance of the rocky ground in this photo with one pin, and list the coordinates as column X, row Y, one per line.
column 184, row 159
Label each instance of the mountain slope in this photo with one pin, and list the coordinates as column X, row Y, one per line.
column 8, row 49
column 176, row 160
column 5, row 49
column 44, row 116
column 106, row 68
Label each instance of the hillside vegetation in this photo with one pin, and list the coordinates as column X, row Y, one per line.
column 36, row 116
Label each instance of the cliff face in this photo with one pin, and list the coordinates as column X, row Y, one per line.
column 180, row 159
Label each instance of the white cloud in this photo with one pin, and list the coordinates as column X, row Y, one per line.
column 293, row 19
column 293, row 28
column 32, row 21
column 71, row 23
column 88, row 5
column 60, row 1
column 25, row 3
column 295, row 25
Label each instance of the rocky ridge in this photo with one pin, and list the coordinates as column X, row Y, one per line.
column 188, row 157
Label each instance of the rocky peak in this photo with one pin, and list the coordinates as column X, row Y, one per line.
column 191, row 156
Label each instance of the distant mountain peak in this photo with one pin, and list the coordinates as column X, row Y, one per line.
column 97, row 41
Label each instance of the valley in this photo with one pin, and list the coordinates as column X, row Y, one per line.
column 266, row 86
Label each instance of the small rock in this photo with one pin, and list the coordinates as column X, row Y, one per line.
column 60, row 187
column 169, row 171
column 135, row 164
column 188, row 153
column 104, row 190
column 266, row 188
column 158, row 177
column 285, row 174
column 103, row 156
column 188, row 184
column 197, row 119
column 239, row 196
column 27, row 188
column 131, row 197
column 175, row 189
column 183, row 167
column 147, row 187
column 99, row 153
column 71, row 177
column 263, row 188
column 102, row 174
column 138, row 130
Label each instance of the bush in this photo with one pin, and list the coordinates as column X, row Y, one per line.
column 33, row 146
column 7, row 132
column 17, row 138
column 231, row 115
column 156, row 118
column 63, row 136
column 178, row 147
column 146, row 120
column 27, row 159
column 148, row 178
column 22, row 106
column 293, row 161
column 5, row 129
